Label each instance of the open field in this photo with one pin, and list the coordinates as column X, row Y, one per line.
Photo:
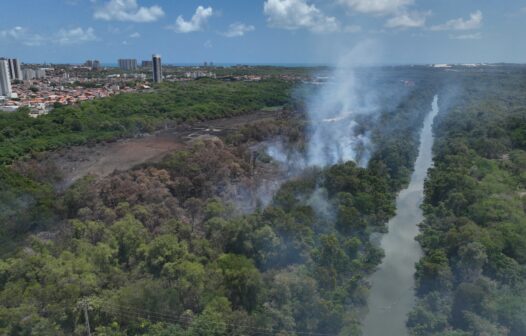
column 102, row 159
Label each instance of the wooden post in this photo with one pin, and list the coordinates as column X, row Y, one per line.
column 86, row 316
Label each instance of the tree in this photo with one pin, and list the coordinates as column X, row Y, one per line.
column 162, row 250
column 129, row 234
column 241, row 279
column 473, row 257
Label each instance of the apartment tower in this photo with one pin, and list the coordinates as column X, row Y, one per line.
column 157, row 69
column 5, row 79
column 14, row 69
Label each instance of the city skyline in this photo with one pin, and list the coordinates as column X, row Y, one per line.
column 262, row 32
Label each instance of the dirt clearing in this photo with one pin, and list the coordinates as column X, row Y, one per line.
column 103, row 159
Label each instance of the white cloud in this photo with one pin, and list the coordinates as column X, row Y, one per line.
column 352, row 29
column 135, row 35
column 475, row 36
column 74, row 36
column 474, row 22
column 408, row 20
column 62, row 37
column 297, row 14
column 128, row 10
column 15, row 32
column 379, row 7
column 196, row 23
column 238, row 29
column 22, row 35
column 114, row 30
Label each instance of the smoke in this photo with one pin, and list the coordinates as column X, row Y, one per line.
column 319, row 202
column 335, row 113
column 290, row 164
column 287, row 156
column 340, row 114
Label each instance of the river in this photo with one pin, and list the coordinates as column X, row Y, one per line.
column 392, row 294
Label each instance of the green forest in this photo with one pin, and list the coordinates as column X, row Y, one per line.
column 471, row 280
column 162, row 249
column 158, row 251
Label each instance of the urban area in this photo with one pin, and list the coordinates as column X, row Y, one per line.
column 41, row 87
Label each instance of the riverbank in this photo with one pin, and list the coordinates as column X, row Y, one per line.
column 392, row 285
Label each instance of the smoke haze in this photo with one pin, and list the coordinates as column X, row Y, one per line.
column 336, row 135
column 335, row 132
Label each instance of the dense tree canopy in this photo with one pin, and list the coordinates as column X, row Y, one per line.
column 161, row 249
column 471, row 278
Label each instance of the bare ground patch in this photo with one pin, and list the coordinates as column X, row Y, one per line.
column 70, row 164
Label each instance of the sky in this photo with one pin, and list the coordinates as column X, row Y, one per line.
column 263, row 31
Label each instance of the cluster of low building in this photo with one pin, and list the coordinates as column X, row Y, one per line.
column 43, row 88
column 42, row 96
column 44, row 93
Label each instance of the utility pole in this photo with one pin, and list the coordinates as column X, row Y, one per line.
column 86, row 316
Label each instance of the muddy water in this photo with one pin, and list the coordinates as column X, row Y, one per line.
column 392, row 292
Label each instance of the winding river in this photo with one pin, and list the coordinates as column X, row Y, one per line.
column 392, row 294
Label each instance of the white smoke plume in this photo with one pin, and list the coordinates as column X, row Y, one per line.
column 336, row 132
column 319, row 201
column 291, row 158
column 334, row 112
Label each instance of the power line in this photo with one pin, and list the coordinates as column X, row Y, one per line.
column 173, row 320
column 135, row 312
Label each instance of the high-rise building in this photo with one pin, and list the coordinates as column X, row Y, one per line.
column 29, row 74
column 157, row 69
column 93, row 64
column 5, row 80
column 147, row 64
column 14, row 69
column 41, row 73
column 128, row 64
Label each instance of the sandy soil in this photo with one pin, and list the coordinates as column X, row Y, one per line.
column 102, row 159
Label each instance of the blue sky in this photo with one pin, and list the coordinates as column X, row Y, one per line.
column 263, row 31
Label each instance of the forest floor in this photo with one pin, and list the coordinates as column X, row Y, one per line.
column 103, row 159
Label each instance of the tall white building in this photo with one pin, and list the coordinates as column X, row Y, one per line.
column 29, row 74
column 14, row 69
column 128, row 64
column 5, row 79
column 41, row 73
